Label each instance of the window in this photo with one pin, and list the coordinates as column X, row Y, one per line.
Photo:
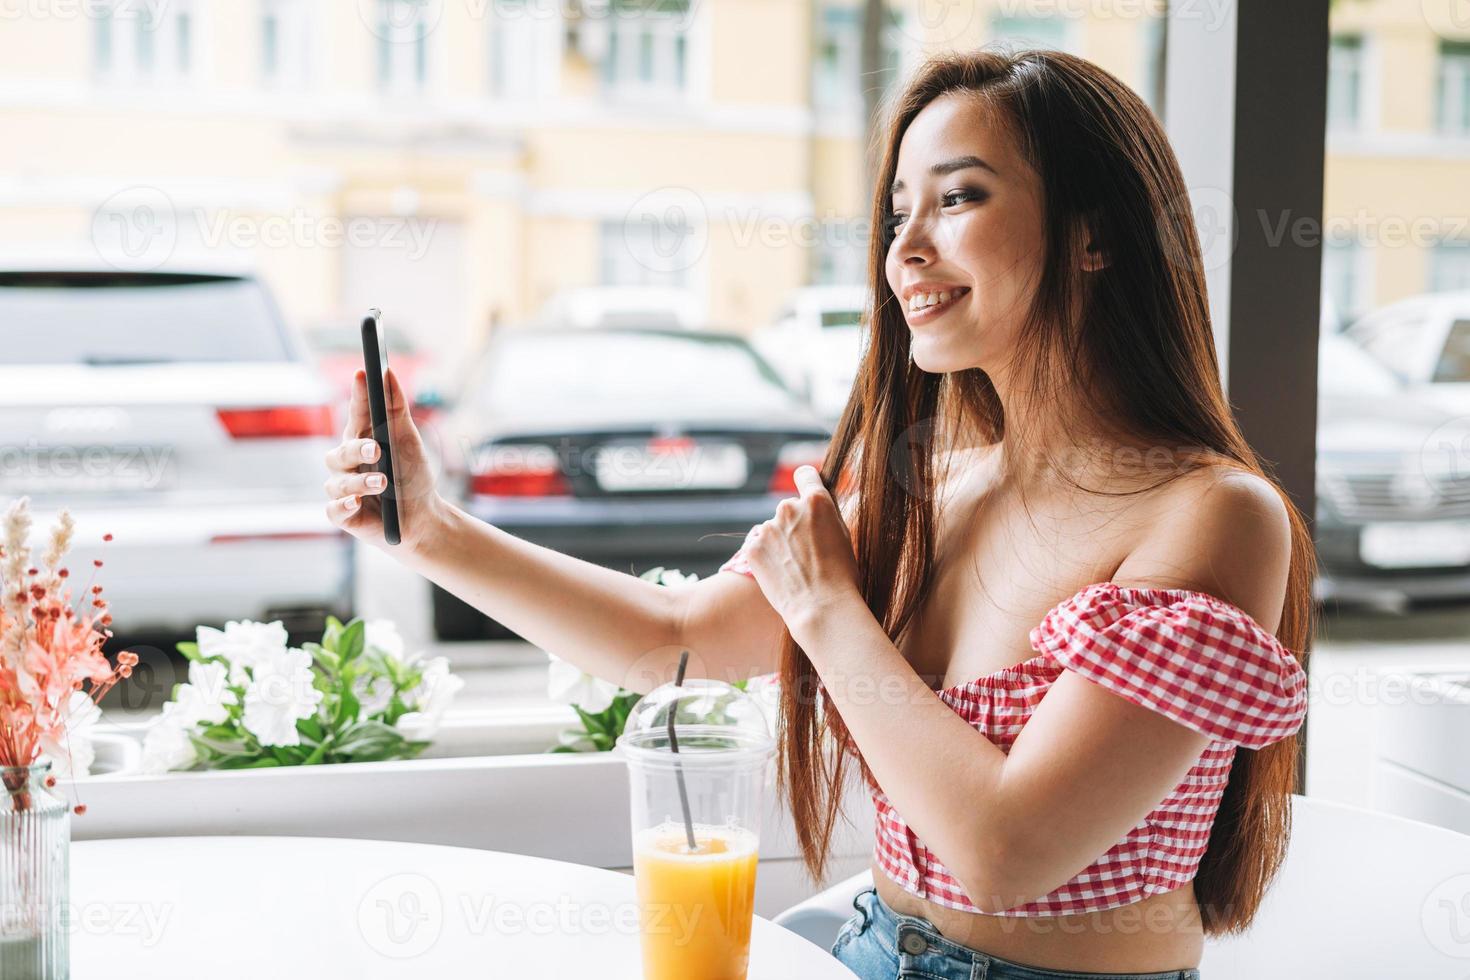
column 284, row 42
column 1151, row 72
column 1395, row 343
column 403, row 40
column 1449, row 266
column 1452, row 99
column 647, row 50
column 144, row 44
column 1018, row 31
column 1345, row 278
column 1345, row 83
column 647, row 252
column 837, row 82
column 1454, row 360
column 523, row 50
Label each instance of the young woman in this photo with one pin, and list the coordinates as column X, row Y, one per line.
column 1058, row 618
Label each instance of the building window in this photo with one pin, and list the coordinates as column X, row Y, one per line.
column 646, row 253
column 144, row 44
column 284, row 43
column 1452, row 101
column 403, row 46
column 837, row 87
column 1345, row 83
column 647, row 55
column 1449, row 266
column 524, row 50
column 1345, row 279
column 1019, row 31
column 1151, row 72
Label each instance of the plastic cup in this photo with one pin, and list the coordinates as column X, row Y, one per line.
column 696, row 905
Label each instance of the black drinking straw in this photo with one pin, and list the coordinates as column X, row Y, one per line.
column 674, row 748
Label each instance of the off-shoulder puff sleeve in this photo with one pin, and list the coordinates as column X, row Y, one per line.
column 1190, row 656
column 737, row 562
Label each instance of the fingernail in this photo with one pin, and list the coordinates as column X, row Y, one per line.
column 352, row 503
column 368, row 448
column 375, row 481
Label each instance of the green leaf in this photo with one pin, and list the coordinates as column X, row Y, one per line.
column 311, row 728
column 593, row 723
column 317, row 754
column 347, row 708
column 332, row 634
column 189, row 649
column 349, row 647
column 333, row 622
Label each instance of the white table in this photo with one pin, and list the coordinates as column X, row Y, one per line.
column 320, row 908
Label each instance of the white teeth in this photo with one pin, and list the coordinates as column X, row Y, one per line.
column 922, row 301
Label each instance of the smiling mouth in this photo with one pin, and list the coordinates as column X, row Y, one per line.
column 924, row 306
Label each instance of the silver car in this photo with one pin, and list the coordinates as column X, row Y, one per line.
column 177, row 412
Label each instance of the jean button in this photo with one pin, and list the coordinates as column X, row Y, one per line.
column 914, row 944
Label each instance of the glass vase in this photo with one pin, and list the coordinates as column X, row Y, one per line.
column 35, row 838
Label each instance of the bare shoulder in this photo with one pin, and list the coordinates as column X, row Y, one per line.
column 1219, row 529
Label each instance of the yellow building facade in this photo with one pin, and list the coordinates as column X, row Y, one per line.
column 460, row 162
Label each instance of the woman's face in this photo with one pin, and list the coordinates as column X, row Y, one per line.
column 967, row 222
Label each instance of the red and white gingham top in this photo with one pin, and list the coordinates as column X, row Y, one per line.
column 1190, row 656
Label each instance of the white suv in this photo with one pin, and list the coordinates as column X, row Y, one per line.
column 177, row 412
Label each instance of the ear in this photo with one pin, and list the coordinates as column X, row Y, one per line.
column 1090, row 246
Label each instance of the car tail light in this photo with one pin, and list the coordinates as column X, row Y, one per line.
column 519, row 471
column 792, row 455
column 280, row 422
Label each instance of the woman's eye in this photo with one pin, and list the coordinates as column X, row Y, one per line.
column 894, row 220
column 960, row 197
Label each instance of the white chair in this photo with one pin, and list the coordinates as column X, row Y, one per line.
column 1362, row 895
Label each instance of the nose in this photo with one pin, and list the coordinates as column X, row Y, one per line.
column 914, row 245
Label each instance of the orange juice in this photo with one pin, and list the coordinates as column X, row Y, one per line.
column 696, row 906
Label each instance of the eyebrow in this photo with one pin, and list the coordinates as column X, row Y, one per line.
column 949, row 167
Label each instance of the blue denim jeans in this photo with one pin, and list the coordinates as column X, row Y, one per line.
column 879, row 944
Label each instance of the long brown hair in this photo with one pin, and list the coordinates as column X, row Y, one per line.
column 1134, row 338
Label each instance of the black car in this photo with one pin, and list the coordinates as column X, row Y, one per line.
column 631, row 447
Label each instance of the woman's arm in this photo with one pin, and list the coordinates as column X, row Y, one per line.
column 611, row 624
column 1089, row 765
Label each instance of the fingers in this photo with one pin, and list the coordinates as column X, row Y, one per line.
column 342, row 509
column 351, row 454
column 355, row 484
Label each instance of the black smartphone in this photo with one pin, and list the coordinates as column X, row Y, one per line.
column 375, row 362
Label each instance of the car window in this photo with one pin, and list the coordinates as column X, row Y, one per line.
column 1344, row 369
column 108, row 319
column 1396, row 344
column 635, row 371
column 1454, row 360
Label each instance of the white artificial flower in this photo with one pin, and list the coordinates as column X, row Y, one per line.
column 281, row 692
column 374, row 694
column 430, row 699
column 242, row 643
column 203, row 699
column 671, row 576
column 71, row 755
column 567, row 684
column 167, row 746
column 383, row 634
